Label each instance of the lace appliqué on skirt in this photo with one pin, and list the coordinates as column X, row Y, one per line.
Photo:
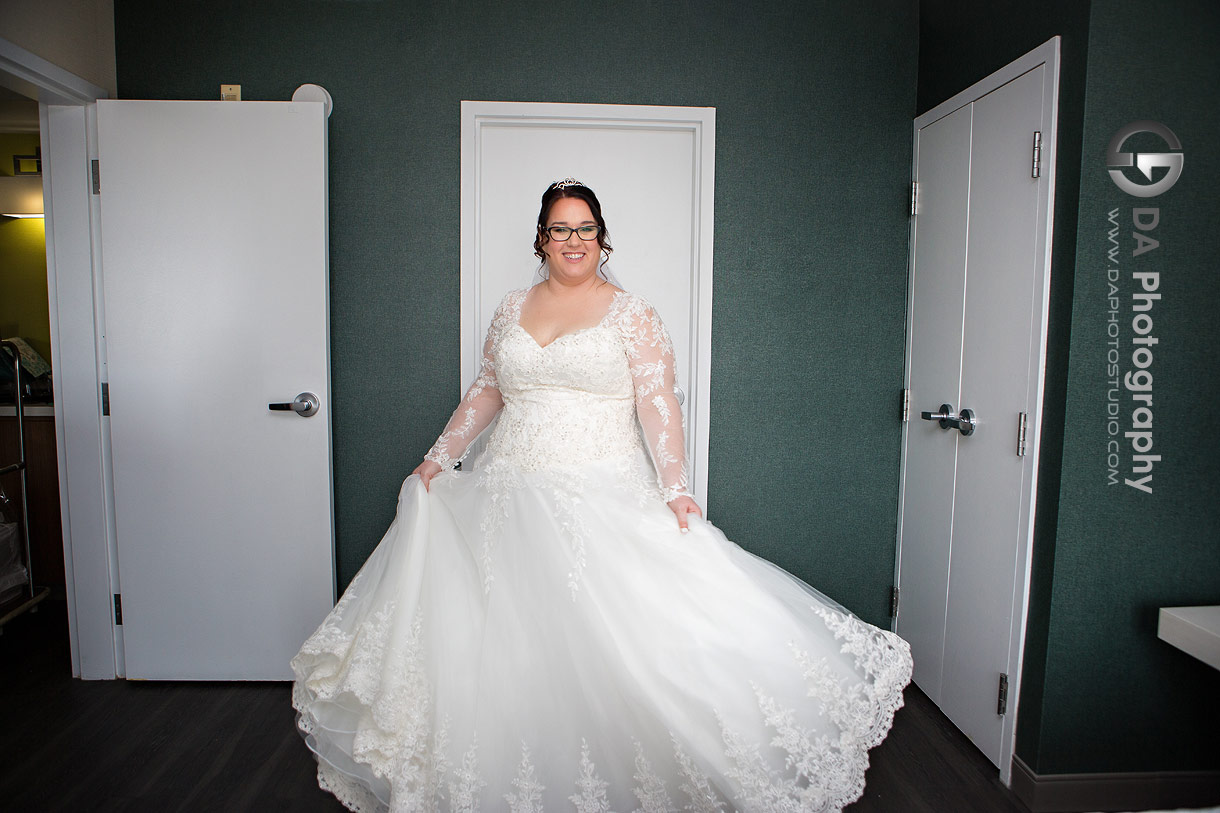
column 402, row 743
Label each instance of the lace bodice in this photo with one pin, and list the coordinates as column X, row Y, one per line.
column 577, row 399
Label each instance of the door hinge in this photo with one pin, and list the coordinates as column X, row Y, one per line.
column 914, row 196
column 1021, row 421
column 894, row 602
column 1037, row 170
column 1001, row 703
column 118, row 609
column 105, row 398
column 905, row 415
column 97, row 177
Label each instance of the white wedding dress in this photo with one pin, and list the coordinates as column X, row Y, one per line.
column 536, row 634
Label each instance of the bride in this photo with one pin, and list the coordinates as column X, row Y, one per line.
column 559, row 629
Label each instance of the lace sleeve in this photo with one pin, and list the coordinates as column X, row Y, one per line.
column 650, row 355
column 478, row 406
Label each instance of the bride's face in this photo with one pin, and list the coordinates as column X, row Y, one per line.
column 572, row 258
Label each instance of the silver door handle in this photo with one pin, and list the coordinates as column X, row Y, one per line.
column 305, row 405
column 963, row 422
column 945, row 416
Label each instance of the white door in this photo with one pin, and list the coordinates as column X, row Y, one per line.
column 214, row 268
column 652, row 168
column 976, row 327
column 934, row 348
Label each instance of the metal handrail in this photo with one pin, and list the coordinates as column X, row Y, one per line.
column 20, row 465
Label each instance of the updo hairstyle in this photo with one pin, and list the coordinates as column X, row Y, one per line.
column 568, row 189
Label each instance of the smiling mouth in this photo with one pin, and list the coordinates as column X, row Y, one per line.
column 574, row 256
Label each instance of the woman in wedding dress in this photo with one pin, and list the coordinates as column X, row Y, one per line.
column 558, row 628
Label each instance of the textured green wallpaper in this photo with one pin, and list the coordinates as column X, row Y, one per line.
column 1116, row 697
column 814, row 105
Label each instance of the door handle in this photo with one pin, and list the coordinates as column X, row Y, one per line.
column 305, row 405
column 964, row 422
column 945, row 416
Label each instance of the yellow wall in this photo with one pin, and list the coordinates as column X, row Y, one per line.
column 23, row 262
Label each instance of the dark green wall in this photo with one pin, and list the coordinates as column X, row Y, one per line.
column 814, row 104
column 1116, row 697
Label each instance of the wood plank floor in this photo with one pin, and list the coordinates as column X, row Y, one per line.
column 74, row 745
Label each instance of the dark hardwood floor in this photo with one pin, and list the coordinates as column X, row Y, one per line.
column 74, row 745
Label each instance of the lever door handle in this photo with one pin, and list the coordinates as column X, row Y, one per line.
column 305, row 405
column 945, row 416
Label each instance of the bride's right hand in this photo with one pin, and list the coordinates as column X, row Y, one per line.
column 426, row 471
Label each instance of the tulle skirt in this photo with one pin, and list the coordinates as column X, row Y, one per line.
column 562, row 648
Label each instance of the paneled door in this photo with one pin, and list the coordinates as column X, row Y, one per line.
column 215, row 286
column 976, row 331
column 653, row 170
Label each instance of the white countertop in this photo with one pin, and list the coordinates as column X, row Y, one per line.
column 1194, row 630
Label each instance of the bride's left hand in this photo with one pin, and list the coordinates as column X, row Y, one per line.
column 681, row 506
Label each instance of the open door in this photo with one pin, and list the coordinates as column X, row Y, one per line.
column 215, row 301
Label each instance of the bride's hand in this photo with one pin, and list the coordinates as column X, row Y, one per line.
column 426, row 471
column 681, row 506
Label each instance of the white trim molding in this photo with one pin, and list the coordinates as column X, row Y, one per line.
column 30, row 75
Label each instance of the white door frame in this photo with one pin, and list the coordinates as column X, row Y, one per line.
column 66, row 114
column 700, row 122
column 1046, row 54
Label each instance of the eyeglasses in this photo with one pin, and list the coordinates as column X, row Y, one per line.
column 560, row 234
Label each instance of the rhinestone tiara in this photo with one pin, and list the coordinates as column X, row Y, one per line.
column 566, row 182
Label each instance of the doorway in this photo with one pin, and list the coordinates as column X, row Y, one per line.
column 647, row 165
column 45, row 92
column 71, row 186
column 983, row 188
column 63, row 118
column 31, row 550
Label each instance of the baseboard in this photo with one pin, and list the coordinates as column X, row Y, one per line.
column 1081, row 792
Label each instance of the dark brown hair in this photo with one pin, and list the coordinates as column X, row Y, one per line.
column 555, row 192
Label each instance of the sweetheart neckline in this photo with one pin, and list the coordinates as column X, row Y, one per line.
column 601, row 323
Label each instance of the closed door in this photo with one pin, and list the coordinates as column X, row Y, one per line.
column 214, row 268
column 652, row 170
column 974, row 339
